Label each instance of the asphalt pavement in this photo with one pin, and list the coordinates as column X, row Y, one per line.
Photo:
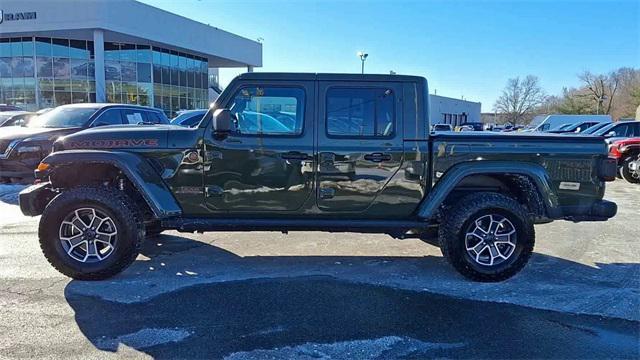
column 314, row 295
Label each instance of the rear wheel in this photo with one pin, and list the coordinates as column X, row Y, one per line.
column 91, row 233
column 487, row 237
column 632, row 176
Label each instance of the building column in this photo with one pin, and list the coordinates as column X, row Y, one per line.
column 249, row 68
column 98, row 49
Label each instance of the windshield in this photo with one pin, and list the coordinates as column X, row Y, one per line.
column 189, row 118
column 595, row 128
column 601, row 131
column 565, row 126
column 64, row 117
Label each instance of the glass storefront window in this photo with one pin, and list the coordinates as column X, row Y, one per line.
column 144, row 54
column 128, row 71
column 61, row 68
column 60, row 48
column 56, row 71
column 43, row 46
column 78, row 49
column 5, row 47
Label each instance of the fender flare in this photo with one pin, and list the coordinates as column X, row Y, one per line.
column 141, row 174
column 429, row 206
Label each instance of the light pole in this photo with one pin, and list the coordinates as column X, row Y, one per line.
column 363, row 56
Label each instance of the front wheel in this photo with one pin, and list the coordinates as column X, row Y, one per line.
column 91, row 232
column 487, row 237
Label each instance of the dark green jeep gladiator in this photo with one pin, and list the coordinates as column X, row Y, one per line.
column 314, row 152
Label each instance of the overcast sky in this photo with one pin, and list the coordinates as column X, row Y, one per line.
column 464, row 48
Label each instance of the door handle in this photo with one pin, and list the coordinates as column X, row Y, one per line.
column 295, row 155
column 377, row 157
column 327, row 158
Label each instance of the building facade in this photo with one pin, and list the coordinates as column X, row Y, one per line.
column 445, row 110
column 60, row 52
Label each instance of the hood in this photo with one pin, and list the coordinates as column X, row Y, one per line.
column 23, row 133
column 120, row 137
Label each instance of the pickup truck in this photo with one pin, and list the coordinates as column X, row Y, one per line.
column 314, row 152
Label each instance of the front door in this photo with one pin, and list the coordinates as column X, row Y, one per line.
column 267, row 165
column 360, row 144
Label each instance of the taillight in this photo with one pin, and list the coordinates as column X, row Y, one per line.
column 614, row 151
column 608, row 169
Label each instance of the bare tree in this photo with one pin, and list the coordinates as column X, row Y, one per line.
column 520, row 99
column 602, row 89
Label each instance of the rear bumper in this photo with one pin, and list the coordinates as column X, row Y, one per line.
column 601, row 210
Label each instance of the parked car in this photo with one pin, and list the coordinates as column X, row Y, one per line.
column 15, row 118
column 477, row 195
column 626, row 153
column 189, row 118
column 590, row 130
column 5, row 107
column 441, row 127
column 617, row 130
column 553, row 122
column 476, row 126
column 634, row 171
column 577, row 127
column 22, row 148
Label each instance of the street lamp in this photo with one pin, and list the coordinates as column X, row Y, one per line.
column 363, row 56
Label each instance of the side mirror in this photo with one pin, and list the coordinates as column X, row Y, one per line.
column 610, row 134
column 223, row 123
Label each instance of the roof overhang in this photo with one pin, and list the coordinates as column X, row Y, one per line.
column 129, row 21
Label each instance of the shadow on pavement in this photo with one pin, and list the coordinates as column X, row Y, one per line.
column 286, row 315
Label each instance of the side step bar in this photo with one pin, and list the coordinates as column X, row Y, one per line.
column 284, row 225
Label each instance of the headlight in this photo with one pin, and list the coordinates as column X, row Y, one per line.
column 29, row 149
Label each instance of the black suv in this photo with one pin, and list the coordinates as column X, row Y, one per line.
column 22, row 148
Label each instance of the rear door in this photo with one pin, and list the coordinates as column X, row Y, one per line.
column 360, row 145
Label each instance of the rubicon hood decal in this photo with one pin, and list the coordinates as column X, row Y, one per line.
column 115, row 143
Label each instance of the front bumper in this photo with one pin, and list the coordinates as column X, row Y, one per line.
column 34, row 198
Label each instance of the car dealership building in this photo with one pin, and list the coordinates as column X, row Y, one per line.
column 59, row 52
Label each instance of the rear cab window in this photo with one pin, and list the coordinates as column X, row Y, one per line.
column 360, row 112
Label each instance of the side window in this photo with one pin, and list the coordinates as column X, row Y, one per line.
column 109, row 117
column 156, row 118
column 134, row 116
column 360, row 112
column 621, row 131
column 268, row 110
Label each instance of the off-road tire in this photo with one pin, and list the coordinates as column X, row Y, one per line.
column 626, row 173
column 452, row 233
column 118, row 206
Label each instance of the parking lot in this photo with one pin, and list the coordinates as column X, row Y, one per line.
column 316, row 295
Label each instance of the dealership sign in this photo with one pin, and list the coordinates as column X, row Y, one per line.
column 30, row 15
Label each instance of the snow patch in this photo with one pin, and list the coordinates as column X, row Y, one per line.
column 381, row 348
column 9, row 193
column 143, row 339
